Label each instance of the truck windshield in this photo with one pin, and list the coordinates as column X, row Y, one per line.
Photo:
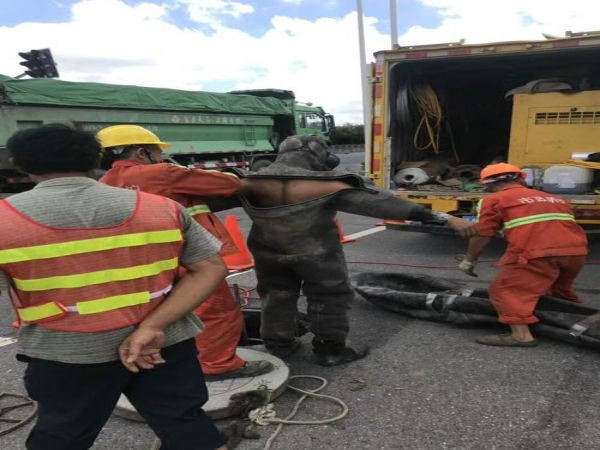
column 315, row 121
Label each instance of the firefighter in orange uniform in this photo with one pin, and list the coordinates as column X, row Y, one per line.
column 136, row 155
column 545, row 253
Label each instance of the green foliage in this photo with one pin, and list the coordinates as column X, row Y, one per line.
column 348, row 134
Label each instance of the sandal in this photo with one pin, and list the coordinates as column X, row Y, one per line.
column 504, row 340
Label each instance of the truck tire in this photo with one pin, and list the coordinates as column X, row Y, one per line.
column 260, row 164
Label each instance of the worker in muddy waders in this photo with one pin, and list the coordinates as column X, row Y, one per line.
column 135, row 158
column 90, row 270
column 545, row 253
column 296, row 244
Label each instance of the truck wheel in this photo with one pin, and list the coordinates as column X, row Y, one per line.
column 260, row 164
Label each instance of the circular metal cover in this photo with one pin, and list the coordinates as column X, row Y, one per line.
column 219, row 392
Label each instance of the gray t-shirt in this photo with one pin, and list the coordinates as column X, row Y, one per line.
column 78, row 202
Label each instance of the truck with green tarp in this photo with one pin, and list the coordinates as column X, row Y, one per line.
column 206, row 129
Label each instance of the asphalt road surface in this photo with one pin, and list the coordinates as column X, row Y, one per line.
column 425, row 385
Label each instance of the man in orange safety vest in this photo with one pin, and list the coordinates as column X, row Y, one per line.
column 91, row 273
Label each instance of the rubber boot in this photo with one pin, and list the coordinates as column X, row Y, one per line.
column 282, row 349
column 331, row 353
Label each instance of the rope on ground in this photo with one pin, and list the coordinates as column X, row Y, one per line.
column 18, row 422
column 266, row 415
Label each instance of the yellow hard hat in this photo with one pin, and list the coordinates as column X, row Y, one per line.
column 119, row 135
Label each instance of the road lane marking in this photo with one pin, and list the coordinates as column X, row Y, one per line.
column 6, row 341
column 358, row 235
column 368, row 232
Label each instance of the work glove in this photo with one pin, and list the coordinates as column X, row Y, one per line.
column 468, row 267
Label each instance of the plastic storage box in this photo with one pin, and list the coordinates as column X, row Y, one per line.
column 567, row 180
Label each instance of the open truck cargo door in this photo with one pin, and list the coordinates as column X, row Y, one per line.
column 439, row 112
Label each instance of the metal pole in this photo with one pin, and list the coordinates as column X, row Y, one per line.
column 393, row 24
column 364, row 81
column 363, row 67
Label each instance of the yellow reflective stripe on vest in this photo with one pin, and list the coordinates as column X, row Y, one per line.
column 198, row 209
column 46, row 251
column 527, row 220
column 99, row 305
column 38, row 312
column 99, row 277
column 478, row 208
column 114, row 302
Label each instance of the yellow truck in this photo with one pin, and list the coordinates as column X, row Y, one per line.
column 453, row 107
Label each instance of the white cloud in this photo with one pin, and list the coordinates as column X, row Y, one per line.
column 208, row 11
column 114, row 41
column 488, row 21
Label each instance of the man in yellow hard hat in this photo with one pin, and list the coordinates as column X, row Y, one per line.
column 546, row 250
column 134, row 154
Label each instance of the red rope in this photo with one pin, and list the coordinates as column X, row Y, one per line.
column 421, row 266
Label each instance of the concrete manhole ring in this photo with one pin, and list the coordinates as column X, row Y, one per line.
column 220, row 391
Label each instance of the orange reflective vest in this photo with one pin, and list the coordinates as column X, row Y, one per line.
column 92, row 279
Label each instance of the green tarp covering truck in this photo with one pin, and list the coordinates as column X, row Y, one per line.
column 207, row 130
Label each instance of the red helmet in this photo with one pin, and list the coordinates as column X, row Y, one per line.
column 490, row 173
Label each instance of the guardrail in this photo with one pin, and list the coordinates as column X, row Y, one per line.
column 347, row 148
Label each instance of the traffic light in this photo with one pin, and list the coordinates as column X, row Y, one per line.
column 40, row 63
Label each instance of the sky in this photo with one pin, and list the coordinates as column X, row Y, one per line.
column 308, row 46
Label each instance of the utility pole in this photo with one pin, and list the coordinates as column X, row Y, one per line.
column 366, row 99
column 393, row 24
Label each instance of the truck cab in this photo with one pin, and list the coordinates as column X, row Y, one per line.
column 308, row 119
column 313, row 121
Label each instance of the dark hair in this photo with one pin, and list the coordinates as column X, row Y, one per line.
column 54, row 148
column 109, row 156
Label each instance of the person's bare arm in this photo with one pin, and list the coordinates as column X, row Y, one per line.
column 463, row 227
column 197, row 285
column 477, row 245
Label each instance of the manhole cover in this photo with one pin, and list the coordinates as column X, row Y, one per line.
column 219, row 392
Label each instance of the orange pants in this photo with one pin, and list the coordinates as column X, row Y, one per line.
column 517, row 288
column 223, row 322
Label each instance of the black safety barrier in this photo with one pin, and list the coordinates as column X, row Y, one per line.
column 428, row 298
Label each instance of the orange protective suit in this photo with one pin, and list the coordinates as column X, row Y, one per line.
column 222, row 317
column 545, row 253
